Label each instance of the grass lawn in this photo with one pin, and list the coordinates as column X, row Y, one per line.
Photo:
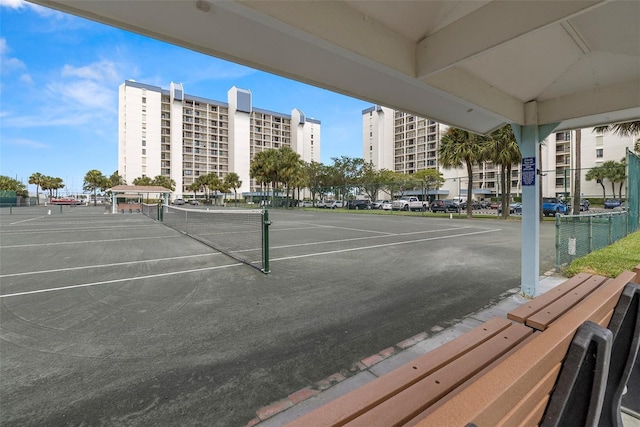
column 610, row 261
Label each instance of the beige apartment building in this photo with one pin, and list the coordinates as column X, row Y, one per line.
column 181, row 136
column 406, row 143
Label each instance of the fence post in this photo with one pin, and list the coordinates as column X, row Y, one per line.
column 590, row 235
column 558, row 248
column 610, row 229
column 265, row 240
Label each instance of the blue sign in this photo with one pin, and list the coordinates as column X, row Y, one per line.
column 528, row 171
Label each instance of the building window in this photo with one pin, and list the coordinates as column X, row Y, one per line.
column 144, row 143
column 144, row 151
column 144, row 100
column 599, row 153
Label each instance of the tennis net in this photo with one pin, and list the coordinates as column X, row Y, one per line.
column 239, row 233
column 150, row 210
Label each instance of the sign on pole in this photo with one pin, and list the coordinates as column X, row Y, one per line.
column 528, row 171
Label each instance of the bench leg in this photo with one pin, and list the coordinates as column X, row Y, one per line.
column 579, row 392
column 625, row 326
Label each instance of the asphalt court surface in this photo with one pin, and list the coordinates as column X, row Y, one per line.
column 119, row 320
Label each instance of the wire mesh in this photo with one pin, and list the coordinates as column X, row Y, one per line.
column 236, row 233
column 150, row 210
column 633, row 191
column 579, row 235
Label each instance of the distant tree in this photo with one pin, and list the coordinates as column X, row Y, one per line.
column 316, row 178
column 598, row 174
column 615, row 173
column 143, row 181
column 502, row 148
column 461, row 148
column 164, row 181
column 94, row 180
column 195, row 187
column 36, row 179
column 428, row 179
column 232, row 180
column 10, row 184
column 115, row 179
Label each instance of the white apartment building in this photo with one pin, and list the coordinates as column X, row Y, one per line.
column 406, row 143
column 180, row 136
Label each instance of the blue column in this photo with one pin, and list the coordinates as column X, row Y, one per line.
column 529, row 138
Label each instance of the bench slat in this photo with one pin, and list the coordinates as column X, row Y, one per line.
column 407, row 404
column 483, row 402
column 351, row 405
column 543, row 318
column 522, row 313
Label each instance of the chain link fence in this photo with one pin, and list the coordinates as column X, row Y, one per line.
column 579, row 235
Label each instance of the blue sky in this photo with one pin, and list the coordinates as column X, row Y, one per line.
column 59, row 92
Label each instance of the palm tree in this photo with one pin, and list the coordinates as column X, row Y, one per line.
column 290, row 167
column 164, row 181
column 93, row 180
column 143, row 181
column 599, row 174
column 459, row 147
column 503, row 150
column 116, row 179
column 233, row 181
column 195, row 187
column 620, row 129
column 614, row 173
column 36, row 179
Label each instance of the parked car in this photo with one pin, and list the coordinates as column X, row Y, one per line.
column 378, row 204
column 475, row 205
column 306, row 204
column 514, row 209
column 584, row 205
column 553, row 205
column 336, row 204
column 612, row 203
column 387, row 205
column 178, row 202
column 322, row 204
column 359, row 204
column 444, row 206
column 194, row 202
column 494, row 205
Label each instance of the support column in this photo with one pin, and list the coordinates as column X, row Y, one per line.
column 529, row 138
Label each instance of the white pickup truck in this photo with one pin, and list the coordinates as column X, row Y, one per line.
column 410, row 203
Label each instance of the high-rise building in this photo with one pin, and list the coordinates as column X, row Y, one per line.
column 406, row 143
column 169, row 133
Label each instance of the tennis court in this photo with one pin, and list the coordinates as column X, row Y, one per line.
column 120, row 320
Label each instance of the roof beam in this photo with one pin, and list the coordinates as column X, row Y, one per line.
column 508, row 20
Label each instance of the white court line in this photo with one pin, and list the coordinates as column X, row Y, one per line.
column 84, row 241
column 367, row 237
column 74, row 229
column 115, row 264
column 129, row 279
column 350, row 229
column 27, row 220
column 383, row 245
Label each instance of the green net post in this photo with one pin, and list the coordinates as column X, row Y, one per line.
column 265, row 241
column 558, row 243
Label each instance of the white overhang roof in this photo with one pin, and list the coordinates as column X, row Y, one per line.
column 475, row 65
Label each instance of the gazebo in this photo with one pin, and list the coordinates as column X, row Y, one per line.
column 137, row 193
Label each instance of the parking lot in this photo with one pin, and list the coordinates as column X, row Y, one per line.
column 119, row 320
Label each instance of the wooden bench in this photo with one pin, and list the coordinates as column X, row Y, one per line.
column 500, row 373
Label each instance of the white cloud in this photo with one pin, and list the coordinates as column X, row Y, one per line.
column 98, row 71
column 12, row 4
column 26, row 78
column 29, row 143
column 8, row 64
column 86, row 93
